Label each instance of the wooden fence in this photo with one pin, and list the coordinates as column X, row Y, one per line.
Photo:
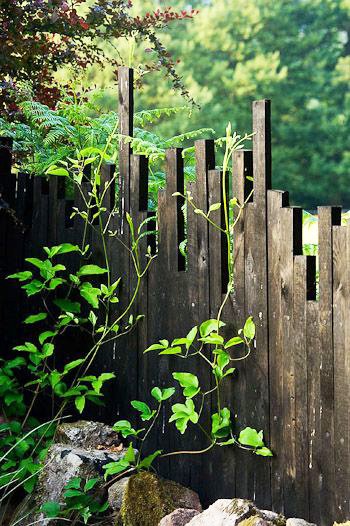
column 296, row 384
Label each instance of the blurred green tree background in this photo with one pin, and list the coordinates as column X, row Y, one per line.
column 296, row 52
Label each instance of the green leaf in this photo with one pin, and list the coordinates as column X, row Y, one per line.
column 64, row 248
column 124, row 427
column 45, row 335
column 90, row 484
column 144, row 409
column 48, row 349
column 72, row 365
column 130, row 454
column 97, row 383
column 70, row 493
column 33, row 287
column 213, row 339
column 249, row 329
column 233, row 341
column 56, row 282
column 172, row 350
column 90, row 294
column 162, row 394
column 221, row 423
column 73, row 483
column 51, row 509
column 154, row 347
column 251, row 437
column 190, row 383
column 21, row 276
column 182, row 414
column 148, row 461
column 67, row 305
column 89, row 270
column 191, row 336
column 57, row 171
column 264, row 452
column 223, row 359
column 214, row 207
column 27, row 347
column 80, row 403
column 34, row 318
column 113, row 468
column 209, row 326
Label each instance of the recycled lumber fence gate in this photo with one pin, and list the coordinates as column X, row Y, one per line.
column 295, row 386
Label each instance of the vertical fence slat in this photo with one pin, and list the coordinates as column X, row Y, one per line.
column 258, row 474
column 304, row 267
column 341, row 308
column 275, row 201
column 327, row 217
column 126, row 120
column 291, row 229
column 314, row 407
column 242, row 168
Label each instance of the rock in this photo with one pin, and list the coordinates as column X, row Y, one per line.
column 228, row 512
column 179, row 517
column 116, row 493
column 144, row 499
column 88, row 435
column 299, row 522
column 231, row 512
column 255, row 520
column 70, row 459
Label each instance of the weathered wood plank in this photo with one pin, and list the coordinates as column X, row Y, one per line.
column 291, row 228
column 327, row 217
column 256, row 285
column 341, row 308
column 314, row 407
column 304, row 286
column 275, row 201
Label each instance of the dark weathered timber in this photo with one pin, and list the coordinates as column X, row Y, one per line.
column 291, row 227
column 256, row 298
column 126, row 120
column 275, row 201
column 295, row 384
column 328, row 216
column 299, row 351
column 241, row 189
column 314, row 408
column 341, row 299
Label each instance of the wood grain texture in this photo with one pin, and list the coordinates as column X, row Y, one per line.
column 328, row 217
column 341, row 298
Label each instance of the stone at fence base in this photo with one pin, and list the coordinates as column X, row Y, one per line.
column 231, row 512
column 179, row 517
column 299, row 522
column 145, row 499
column 65, row 461
column 88, row 435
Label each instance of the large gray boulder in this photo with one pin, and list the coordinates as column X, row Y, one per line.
column 86, row 448
column 88, row 435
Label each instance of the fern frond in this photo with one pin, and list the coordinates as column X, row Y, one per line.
column 149, row 116
column 192, row 135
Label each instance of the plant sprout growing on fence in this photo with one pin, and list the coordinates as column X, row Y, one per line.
column 78, row 295
column 205, row 343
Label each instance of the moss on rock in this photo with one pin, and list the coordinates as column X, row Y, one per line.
column 146, row 501
column 148, row 498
